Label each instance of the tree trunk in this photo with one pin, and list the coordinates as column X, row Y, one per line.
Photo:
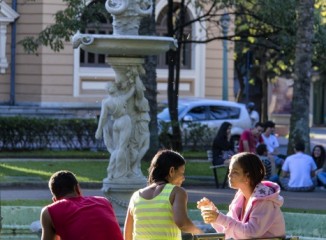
column 173, row 85
column 264, row 87
column 299, row 121
column 147, row 27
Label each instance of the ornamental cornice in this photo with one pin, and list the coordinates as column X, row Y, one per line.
column 7, row 15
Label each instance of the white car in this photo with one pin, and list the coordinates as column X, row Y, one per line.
column 211, row 113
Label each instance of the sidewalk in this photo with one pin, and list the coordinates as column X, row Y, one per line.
column 301, row 200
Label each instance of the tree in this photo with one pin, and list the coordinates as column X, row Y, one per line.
column 268, row 40
column 299, row 122
column 264, row 39
column 207, row 14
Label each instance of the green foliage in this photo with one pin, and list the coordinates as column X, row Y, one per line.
column 266, row 28
column 165, row 134
column 67, row 22
column 196, row 137
column 20, row 133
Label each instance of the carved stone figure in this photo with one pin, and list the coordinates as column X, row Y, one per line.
column 141, row 138
column 117, row 139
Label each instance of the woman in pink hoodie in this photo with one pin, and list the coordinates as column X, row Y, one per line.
column 255, row 210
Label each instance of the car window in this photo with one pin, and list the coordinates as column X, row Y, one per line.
column 165, row 115
column 198, row 113
column 222, row 112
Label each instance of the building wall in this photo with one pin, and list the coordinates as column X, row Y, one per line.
column 56, row 79
column 49, row 74
column 214, row 70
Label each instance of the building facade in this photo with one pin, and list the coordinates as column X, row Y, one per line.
column 66, row 79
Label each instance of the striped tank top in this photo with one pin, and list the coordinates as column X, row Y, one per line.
column 153, row 219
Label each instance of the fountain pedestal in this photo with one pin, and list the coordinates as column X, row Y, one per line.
column 119, row 193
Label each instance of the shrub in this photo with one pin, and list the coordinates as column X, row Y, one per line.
column 21, row 133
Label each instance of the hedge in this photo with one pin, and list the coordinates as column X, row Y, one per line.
column 21, row 133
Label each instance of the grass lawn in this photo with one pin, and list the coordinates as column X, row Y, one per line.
column 85, row 154
column 90, row 170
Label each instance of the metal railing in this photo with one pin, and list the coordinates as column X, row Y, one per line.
column 221, row 236
column 209, row 236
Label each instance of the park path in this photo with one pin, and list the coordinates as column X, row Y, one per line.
column 301, row 200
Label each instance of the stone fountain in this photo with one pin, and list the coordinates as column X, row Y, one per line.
column 124, row 118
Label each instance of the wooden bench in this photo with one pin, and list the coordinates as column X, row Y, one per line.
column 215, row 167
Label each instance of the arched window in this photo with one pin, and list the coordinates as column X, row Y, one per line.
column 161, row 30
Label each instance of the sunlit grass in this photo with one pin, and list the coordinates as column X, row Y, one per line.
column 25, row 171
column 34, row 203
column 81, row 154
column 86, row 170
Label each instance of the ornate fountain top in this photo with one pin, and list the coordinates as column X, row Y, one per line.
column 125, row 40
column 127, row 14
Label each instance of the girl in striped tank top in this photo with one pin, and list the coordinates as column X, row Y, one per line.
column 159, row 211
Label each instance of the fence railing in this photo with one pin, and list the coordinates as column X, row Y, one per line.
column 221, row 236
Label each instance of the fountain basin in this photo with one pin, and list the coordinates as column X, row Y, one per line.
column 124, row 45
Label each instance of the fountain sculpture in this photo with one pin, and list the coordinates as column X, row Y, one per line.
column 124, row 118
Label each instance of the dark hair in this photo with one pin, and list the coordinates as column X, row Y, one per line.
column 250, row 105
column 259, row 124
column 161, row 164
column 251, row 165
column 269, row 124
column 222, row 131
column 261, row 149
column 62, row 183
column 320, row 160
column 299, row 146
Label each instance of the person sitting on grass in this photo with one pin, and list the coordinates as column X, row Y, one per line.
column 268, row 162
column 272, row 143
column 298, row 171
column 73, row 216
column 318, row 154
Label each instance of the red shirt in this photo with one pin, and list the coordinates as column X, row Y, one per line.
column 253, row 141
column 85, row 218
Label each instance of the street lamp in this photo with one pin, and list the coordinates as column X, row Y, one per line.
column 225, row 23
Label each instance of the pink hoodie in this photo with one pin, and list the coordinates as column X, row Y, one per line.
column 262, row 219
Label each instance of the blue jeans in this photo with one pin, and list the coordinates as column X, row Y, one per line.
column 322, row 178
column 284, row 182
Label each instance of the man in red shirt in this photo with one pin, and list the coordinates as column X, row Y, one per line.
column 73, row 216
column 250, row 138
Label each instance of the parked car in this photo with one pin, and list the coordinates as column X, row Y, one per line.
column 211, row 113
